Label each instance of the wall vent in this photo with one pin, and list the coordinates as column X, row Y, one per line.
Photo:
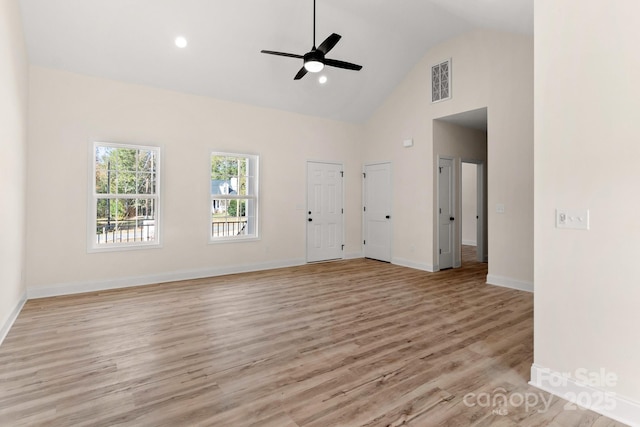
column 441, row 81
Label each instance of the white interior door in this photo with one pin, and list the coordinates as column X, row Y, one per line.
column 324, row 211
column 377, row 211
column 445, row 213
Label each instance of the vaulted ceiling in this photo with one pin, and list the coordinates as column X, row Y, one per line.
column 133, row 41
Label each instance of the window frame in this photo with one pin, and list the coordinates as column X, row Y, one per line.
column 253, row 160
column 94, row 196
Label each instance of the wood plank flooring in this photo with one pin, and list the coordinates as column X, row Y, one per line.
column 347, row 343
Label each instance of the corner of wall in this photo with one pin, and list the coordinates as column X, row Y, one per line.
column 13, row 143
column 580, row 395
column 11, row 318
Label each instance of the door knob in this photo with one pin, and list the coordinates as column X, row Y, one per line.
column 388, row 216
column 309, row 220
column 451, row 218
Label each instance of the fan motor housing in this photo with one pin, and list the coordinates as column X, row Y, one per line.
column 314, row 55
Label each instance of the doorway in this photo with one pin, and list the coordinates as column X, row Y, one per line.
column 325, row 214
column 462, row 138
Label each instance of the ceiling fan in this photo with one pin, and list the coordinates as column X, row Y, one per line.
column 315, row 60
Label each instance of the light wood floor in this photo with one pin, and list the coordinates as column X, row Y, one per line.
column 348, row 343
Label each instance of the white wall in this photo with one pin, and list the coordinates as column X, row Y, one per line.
column 69, row 111
column 587, row 147
column 469, row 208
column 489, row 69
column 13, row 138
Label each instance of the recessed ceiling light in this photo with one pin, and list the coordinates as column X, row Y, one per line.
column 322, row 79
column 181, row 42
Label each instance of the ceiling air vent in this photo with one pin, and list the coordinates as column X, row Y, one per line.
column 441, row 81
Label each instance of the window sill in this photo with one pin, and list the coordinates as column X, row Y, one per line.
column 233, row 240
column 123, row 248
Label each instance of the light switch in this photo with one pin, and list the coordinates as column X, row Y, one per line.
column 577, row 219
column 500, row 208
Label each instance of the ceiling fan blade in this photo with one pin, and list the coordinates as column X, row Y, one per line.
column 342, row 64
column 301, row 74
column 290, row 55
column 329, row 43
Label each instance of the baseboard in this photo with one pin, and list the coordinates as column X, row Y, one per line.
column 470, row 243
column 412, row 264
column 354, row 255
column 598, row 400
column 4, row 330
column 126, row 282
column 507, row 282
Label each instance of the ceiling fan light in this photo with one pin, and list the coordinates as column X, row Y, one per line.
column 313, row 66
column 314, row 61
column 181, row 42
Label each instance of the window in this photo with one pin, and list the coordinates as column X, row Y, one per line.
column 441, row 81
column 124, row 211
column 234, row 197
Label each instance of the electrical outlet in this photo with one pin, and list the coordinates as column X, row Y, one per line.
column 577, row 219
